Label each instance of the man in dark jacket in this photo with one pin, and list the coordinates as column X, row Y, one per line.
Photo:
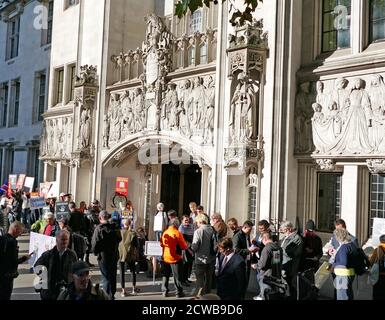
column 76, row 220
column 9, row 259
column 270, row 262
column 105, row 243
column 82, row 289
column 231, row 273
column 58, row 262
column 243, row 246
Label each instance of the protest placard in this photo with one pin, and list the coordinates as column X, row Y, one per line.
column 28, row 184
column 37, row 203
column 20, row 181
column 12, row 180
column 38, row 244
column 122, row 186
column 153, row 248
column 61, row 210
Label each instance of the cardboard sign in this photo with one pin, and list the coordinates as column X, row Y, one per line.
column 44, row 189
column 20, row 181
column 378, row 230
column 13, row 181
column 61, row 210
column 153, row 248
column 122, row 186
column 37, row 203
column 38, row 244
column 29, row 181
column 54, row 190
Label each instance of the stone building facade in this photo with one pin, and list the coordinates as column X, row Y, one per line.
column 278, row 119
column 25, row 37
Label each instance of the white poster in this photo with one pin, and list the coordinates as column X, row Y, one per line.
column 38, row 244
column 153, row 248
column 378, row 230
column 29, row 183
column 54, row 191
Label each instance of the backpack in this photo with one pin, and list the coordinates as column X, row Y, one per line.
column 360, row 261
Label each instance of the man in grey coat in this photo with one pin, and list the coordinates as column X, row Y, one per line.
column 204, row 250
column 291, row 245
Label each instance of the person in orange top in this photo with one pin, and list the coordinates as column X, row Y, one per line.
column 173, row 243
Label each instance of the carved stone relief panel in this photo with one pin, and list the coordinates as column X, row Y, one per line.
column 341, row 117
column 56, row 139
column 187, row 106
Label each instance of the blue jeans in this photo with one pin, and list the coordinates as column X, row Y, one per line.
column 344, row 287
column 109, row 270
column 26, row 217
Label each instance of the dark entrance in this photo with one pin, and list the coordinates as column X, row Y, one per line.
column 192, row 186
column 171, row 180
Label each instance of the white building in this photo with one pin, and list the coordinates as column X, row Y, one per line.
column 241, row 102
column 25, row 35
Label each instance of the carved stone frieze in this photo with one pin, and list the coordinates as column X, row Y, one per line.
column 87, row 77
column 326, row 164
column 341, row 117
column 187, row 107
column 56, row 138
column 376, row 166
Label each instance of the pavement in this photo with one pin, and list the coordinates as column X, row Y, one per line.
column 24, row 290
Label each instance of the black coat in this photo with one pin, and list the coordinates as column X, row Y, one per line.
column 9, row 257
column 231, row 281
column 240, row 244
column 77, row 222
column 105, row 242
column 59, row 271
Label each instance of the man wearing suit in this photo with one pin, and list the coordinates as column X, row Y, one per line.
column 243, row 246
column 231, row 273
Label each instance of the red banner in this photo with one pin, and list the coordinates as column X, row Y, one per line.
column 122, row 186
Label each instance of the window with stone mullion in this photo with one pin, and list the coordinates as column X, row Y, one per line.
column 377, row 20
column 335, row 25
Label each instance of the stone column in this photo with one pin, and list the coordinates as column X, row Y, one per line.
column 349, row 207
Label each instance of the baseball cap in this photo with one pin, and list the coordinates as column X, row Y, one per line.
column 80, row 267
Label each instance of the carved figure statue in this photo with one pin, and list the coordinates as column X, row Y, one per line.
column 241, row 122
column 210, row 109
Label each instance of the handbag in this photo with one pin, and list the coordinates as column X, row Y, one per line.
column 374, row 273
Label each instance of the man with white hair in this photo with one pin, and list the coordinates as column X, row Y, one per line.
column 58, row 262
column 52, row 226
column 291, row 245
column 105, row 243
column 160, row 221
column 9, row 259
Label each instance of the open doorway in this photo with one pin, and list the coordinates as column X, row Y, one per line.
column 181, row 184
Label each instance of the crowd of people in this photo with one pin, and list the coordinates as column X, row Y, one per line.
column 200, row 251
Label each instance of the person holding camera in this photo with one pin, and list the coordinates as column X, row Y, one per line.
column 9, row 259
column 58, row 262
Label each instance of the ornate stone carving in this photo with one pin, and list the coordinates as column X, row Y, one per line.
column 376, row 166
column 303, row 128
column 119, row 155
column 186, row 107
column 247, row 48
column 243, row 107
column 56, row 139
column 235, row 157
column 253, row 180
column 157, row 53
column 347, row 121
column 85, row 129
column 325, row 164
column 87, row 77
